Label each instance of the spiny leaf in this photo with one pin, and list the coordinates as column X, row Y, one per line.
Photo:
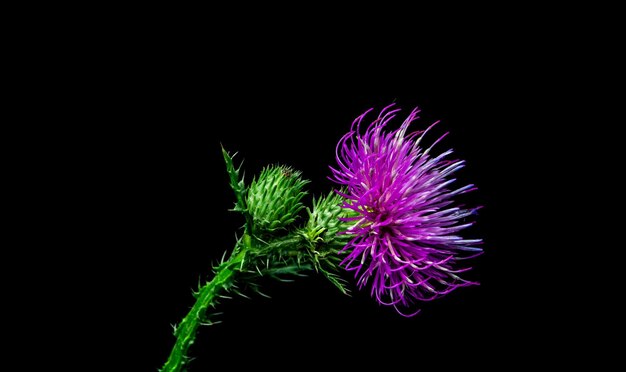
column 238, row 187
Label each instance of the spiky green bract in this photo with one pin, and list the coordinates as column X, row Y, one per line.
column 324, row 224
column 323, row 242
column 274, row 198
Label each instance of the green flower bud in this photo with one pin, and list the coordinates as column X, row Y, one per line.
column 274, row 200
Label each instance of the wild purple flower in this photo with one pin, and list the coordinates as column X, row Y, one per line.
column 406, row 219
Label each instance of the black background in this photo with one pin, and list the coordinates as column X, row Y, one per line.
column 124, row 207
column 160, row 197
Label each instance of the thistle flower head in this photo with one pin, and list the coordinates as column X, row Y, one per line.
column 275, row 198
column 404, row 238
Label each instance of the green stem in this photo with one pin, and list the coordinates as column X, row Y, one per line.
column 186, row 331
column 243, row 260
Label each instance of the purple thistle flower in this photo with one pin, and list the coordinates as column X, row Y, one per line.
column 405, row 217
